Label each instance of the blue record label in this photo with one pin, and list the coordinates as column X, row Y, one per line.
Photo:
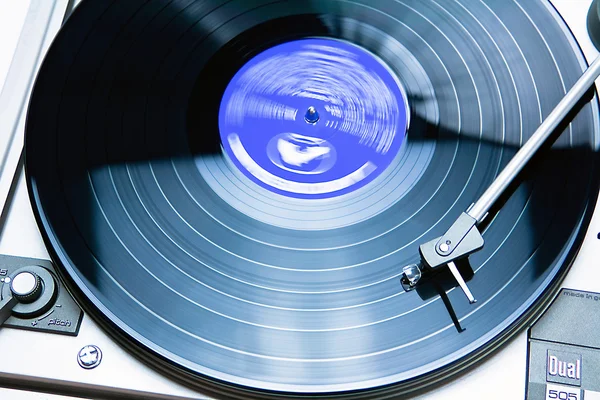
column 313, row 118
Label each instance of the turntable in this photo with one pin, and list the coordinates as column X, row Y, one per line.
column 290, row 199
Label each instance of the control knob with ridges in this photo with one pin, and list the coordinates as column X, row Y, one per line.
column 26, row 287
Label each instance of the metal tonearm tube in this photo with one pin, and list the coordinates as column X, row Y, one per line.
column 463, row 238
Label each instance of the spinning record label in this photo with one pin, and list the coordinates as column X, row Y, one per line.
column 313, row 118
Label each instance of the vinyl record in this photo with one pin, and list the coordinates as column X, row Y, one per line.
column 233, row 187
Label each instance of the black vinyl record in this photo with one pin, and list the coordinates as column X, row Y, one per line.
column 210, row 275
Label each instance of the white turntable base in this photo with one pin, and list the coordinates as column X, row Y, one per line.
column 52, row 358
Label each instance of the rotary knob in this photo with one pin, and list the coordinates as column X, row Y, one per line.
column 26, row 287
column 33, row 288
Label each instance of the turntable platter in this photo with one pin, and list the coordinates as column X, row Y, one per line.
column 213, row 242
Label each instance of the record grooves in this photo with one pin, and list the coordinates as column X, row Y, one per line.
column 202, row 269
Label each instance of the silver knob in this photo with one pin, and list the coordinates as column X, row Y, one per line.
column 89, row 357
column 26, row 287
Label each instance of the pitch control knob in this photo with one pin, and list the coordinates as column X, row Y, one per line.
column 34, row 290
column 26, row 287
